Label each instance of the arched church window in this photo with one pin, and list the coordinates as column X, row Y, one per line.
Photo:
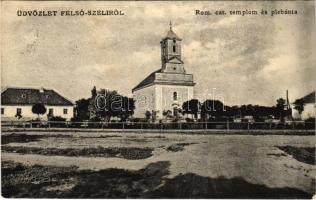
column 175, row 96
column 174, row 46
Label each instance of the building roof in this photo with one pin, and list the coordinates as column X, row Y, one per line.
column 31, row 96
column 161, row 77
column 172, row 35
column 310, row 98
column 148, row 80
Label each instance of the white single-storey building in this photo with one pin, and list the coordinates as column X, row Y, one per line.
column 17, row 103
column 309, row 107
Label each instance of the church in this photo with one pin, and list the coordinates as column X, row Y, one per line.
column 168, row 87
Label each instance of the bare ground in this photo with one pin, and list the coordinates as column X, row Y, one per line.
column 20, row 181
column 116, row 165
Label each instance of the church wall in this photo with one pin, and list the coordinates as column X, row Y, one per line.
column 164, row 94
column 144, row 100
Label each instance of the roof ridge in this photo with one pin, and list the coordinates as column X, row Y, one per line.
column 9, row 95
column 26, row 88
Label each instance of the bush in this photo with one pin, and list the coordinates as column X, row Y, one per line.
column 76, row 119
column 57, row 121
column 138, row 120
column 310, row 123
column 189, row 120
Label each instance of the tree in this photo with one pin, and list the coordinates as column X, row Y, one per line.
column 154, row 115
column 299, row 105
column 148, row 115
column 126, row 108
column 280, row 112
column 105, row 104
column 214, row 108
column 233, row 111
column 39, row 109
column 167, row 113
column 94, row 91
column 192, row 106
column 82, row 109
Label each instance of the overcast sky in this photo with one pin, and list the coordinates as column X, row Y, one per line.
column 249, row 59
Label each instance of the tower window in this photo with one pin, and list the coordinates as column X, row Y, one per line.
column 174, row 46
column 175, row 96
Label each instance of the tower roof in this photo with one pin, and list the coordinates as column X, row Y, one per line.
column 172, row 35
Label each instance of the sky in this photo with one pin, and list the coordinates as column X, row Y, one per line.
column 237, row 59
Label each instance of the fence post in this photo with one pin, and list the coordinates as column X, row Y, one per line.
column 293, row 125
column 227, row 126
column 205, row 125
column 248, row 125
column 123, row 125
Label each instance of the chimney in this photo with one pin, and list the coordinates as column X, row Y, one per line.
column 41, row 90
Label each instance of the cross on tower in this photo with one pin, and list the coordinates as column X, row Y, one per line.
column 170, row 24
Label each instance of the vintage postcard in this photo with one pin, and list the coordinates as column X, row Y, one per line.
column 158, row 99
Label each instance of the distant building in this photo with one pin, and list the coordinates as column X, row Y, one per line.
column 16, row 103
column 309, row 107
column 167, row 88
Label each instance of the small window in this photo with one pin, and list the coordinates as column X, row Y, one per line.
column 23, row 96
column 175, row 96
column 51, row 112
column 2, row 111
column 65, row 111
column 18, row 111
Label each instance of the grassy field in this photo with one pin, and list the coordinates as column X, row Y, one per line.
column 153, row 165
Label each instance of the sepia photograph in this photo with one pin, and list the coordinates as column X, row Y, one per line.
column 158, row 99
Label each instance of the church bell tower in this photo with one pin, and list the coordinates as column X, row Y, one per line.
column 171, row 53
